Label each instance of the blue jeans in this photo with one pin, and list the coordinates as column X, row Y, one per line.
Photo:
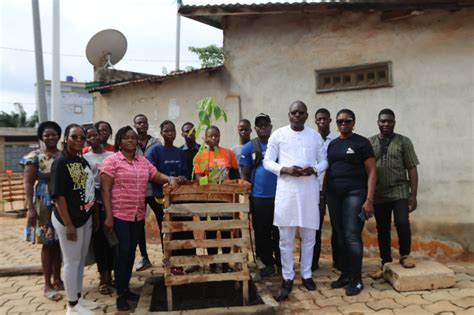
column 344, row 209
column 128, row 234
column 383, row 216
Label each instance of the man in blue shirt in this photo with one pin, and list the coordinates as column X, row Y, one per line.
column 262, row 197
column 169, row 160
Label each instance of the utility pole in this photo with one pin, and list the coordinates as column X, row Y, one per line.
column 55, row 81
column 178, row 34
column 40, row 90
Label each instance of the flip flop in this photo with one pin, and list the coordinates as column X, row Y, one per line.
column 105, row 289
column 53, row 295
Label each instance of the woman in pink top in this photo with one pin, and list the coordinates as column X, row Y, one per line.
column 124, row 178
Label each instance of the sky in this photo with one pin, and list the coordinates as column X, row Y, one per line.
column 148, row 25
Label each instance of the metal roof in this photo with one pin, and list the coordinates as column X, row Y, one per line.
column 153, row 79
column 213, row 14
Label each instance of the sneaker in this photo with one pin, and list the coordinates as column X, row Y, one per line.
column 267, row 271
column 122, row 304
column 407, row 262
column 377, row 275
column 91, row 305
column 341, row 282
column 78, row 309
column 129, row 295
column 143, row 264
column 354, row 287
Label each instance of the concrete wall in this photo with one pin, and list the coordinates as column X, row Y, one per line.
column 272, row 59
column 76, row 104
column 174, row 99
column 270, row 62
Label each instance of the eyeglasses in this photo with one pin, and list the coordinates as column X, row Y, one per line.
column 297, row 112
column 341, row 122
column 77, row 137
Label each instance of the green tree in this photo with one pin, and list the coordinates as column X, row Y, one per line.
column 18, row 118
column 210, row 56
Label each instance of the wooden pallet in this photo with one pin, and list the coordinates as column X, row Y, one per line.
column 12, row 192
column 229, row 200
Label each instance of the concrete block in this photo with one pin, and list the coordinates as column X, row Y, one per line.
column 427, row 275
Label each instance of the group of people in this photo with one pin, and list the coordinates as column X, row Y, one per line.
column 93, row 190
column 304, row 170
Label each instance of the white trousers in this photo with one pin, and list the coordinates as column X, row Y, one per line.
column 74, row 256
column 308, row 239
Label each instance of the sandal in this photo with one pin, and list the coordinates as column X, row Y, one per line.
column 105, row 289
column 53, row 295
column 59, row 286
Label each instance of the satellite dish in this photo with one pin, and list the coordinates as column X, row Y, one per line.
column 106, row 48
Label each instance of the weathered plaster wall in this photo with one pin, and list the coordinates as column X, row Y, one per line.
column 272, row 61
column 174, row 99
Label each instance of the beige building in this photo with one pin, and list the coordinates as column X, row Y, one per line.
column 415, row 57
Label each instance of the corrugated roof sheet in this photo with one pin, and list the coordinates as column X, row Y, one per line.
column 153, row 79
column 213, row 14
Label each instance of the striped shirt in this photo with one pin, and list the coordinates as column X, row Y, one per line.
column 392, row 178
column 130, row 183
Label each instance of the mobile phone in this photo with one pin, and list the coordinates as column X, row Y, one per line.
column 362, row 216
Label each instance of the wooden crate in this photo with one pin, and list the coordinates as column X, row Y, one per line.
column 12, row 192
column 229, row 200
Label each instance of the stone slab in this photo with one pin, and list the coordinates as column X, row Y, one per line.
column 427, row 275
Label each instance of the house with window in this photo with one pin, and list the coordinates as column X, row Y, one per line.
column 413, row 56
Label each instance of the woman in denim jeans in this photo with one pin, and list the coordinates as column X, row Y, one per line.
column 350, row 181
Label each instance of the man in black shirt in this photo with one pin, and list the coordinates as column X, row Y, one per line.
column 190, row 147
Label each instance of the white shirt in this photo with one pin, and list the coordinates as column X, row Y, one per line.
column 297, row 198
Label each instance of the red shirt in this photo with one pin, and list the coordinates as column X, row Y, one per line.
column 130, row 183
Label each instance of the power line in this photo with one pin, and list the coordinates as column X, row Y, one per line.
column 82, row 56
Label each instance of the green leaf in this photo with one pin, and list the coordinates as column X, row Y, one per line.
column 203, row 180
column 216, row 151
column 217, row 112
column 202, row 164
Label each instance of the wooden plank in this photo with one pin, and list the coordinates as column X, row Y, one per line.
column 193, row 187
column 169, row 297
column 200, row 208
column 179, row 261
column 201, row 198
column 13, row 198
column 245, row 293
column 214, row 225
column 200, row 278
column 187, row 244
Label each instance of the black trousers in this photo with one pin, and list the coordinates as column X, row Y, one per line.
column 383, row 217
column 267, row 235
column 158, row 211
column 104, row 254
column 317, row 245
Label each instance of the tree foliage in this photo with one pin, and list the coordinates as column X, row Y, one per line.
column 210, row 56
column 18, row 118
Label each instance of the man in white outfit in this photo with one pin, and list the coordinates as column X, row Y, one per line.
column 296, row 154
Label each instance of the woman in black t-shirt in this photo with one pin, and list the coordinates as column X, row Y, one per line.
column 72, row 188
column 350, row 182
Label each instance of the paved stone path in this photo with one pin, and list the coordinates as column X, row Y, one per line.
column 24, row 294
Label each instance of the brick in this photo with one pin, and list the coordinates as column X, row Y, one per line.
column 426, row 275
column 55, row 306
column 462, row 292
column 468, row 311
column 442, row 306
column 412, row 300
column 463, row 284
column 333, row 292
column 412, row 309
column 383, row 304
column 464, row 302
column 360, row 298
column 28, row 308
column 385, row 294
column 332, row 301
column 355, row 308
column 437, row 296
column 17, row 302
